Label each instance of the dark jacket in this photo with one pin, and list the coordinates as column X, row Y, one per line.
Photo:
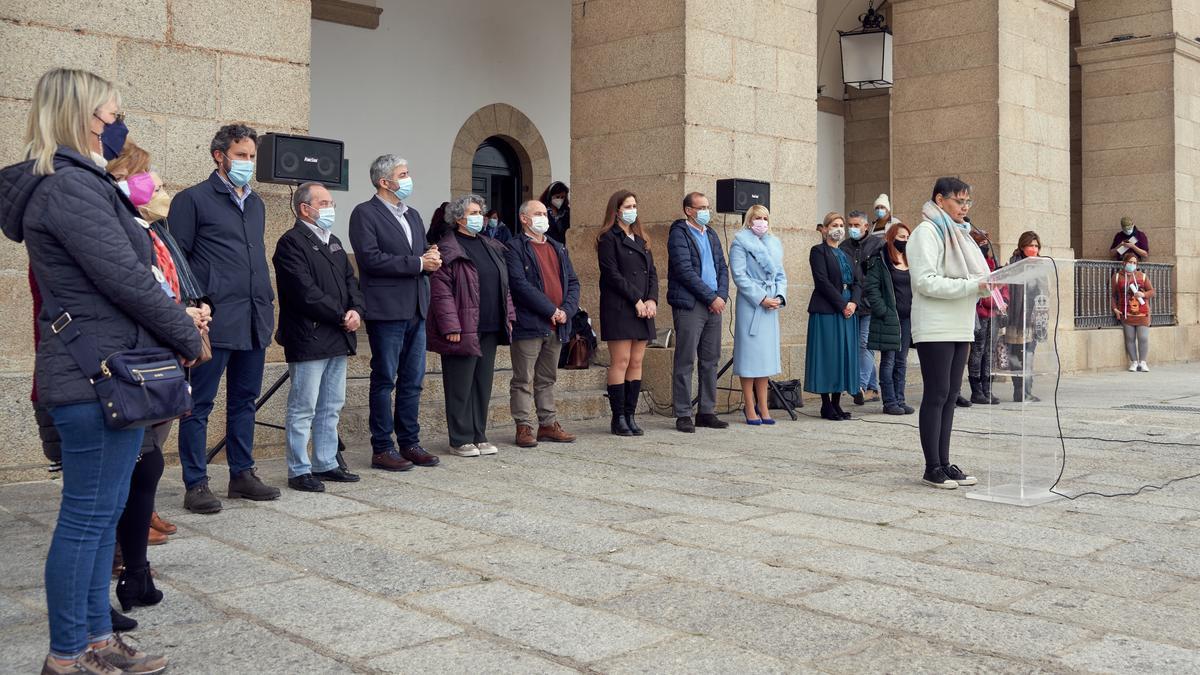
column 190, row 288
column 529, row 292
column 454, row 299
column 1143, row 242
column 500, row 233
column 684, row 286
column 827, row 282
column 884, row 334
column 316, row 288
column 861, row 252
column 393, row 284
column 227, row 253
column 627, row 274
column 86, row 248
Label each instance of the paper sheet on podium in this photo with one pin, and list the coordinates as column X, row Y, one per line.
column 1023, row 455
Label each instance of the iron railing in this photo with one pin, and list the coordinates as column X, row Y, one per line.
column 1093, row 292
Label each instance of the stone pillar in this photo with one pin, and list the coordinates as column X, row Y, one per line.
column 982, row 92
column 183, row 70
column 669, row 96
column 1141, row 139
column 868, row 148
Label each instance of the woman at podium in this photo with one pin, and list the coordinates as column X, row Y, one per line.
column 948, row 275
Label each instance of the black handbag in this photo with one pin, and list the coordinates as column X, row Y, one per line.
column 136, row 387
column 790, row 391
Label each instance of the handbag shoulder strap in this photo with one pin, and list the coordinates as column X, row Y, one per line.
column 82, row 348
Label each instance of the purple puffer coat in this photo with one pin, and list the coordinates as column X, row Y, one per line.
column 454, row 299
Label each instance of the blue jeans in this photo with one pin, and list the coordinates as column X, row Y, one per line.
column 397, row 363
column 243, row 370
column 893, row 367
column 97, row 463
column 313, row 407
column 867, row 378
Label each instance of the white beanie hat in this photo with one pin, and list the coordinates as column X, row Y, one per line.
column 882, row 200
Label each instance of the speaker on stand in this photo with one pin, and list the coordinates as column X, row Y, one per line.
column 285, row 159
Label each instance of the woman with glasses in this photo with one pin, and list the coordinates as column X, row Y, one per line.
column 948, row 274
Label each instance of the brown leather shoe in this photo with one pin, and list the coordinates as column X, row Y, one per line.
column 390, row 461
column 554, row 433
column 166, row 527
column 419, row 456
column 525, row 437
column 157, row 538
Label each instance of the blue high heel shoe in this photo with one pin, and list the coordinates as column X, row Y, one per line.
column 753, row 423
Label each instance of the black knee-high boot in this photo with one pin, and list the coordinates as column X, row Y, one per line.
column 616, row 402
column 633, row 390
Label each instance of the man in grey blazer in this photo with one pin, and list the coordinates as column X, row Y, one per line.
column 388, row 237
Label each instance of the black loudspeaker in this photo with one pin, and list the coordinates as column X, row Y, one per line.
column 737, row 195
column 291, row 160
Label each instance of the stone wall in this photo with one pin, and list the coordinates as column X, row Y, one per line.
column 184, row 67
column 667, row 97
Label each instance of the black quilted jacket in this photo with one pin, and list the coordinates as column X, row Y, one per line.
column 84, row 245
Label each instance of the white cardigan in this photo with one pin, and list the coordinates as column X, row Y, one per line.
column 943, row 309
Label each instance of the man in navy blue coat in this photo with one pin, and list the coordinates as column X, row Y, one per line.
column 697, row 288
column 394, row 264
column 220, row 225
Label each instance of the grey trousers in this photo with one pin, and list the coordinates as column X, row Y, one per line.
column 1137, row 342
column 697, row 334
column 468, row 384
column 534, row 372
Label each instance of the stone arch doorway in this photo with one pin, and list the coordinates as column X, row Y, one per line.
column 501, row 129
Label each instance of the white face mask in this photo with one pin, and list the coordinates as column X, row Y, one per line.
column 557, row 202
column 540, row 224
column 837, row 233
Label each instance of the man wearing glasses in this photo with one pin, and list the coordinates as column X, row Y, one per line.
column 320, row 308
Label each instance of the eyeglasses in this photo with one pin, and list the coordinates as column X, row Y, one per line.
column 118, row 117
column 965, row 203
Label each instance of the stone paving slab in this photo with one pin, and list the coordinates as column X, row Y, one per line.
column 809, row 547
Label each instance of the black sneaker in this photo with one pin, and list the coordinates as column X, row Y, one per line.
column 685, row 425
column 338, row 475
column 247, row 485
column 859, row 399
column 962, row 402
column 711, row 421
column 893, row 410
column 200, row 499
column 908, row 409
column 936, row 477
column 955, row 474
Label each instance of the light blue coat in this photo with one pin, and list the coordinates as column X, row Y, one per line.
column 757, row 268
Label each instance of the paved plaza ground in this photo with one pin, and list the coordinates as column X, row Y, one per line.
column 805, row 547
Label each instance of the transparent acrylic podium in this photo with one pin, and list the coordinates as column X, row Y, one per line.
column 1023, row 455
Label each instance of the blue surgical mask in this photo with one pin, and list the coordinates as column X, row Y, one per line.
column 404, row 188
column 856, row 233
column 492, row 222
column 629, row 216
column 880, row 214
column 240, row 171
column 1130, row 267
column 325, row 219
column 475, row 224
column 703, row 216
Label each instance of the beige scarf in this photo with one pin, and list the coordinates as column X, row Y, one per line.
column 963, row 259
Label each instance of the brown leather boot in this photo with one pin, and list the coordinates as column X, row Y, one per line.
column 164, row 526
column 157, row 538
column 555, row 433
column 525, row 437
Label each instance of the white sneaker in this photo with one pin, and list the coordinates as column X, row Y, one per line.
column 468, row 450
column 1143, row 367
column 486, row 448
column 1133, row 366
